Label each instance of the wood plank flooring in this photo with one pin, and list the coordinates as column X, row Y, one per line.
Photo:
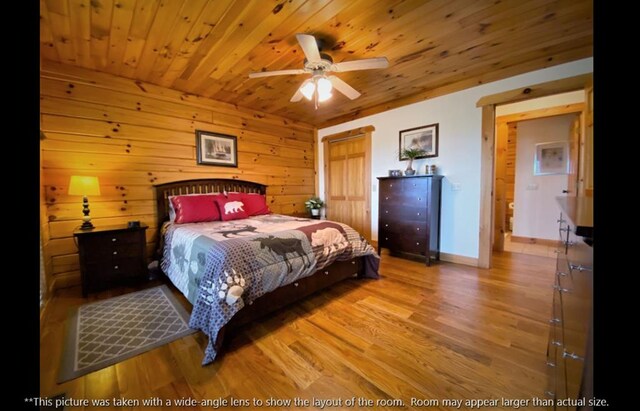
column 442, row 332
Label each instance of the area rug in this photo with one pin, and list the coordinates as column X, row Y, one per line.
column 106, row 332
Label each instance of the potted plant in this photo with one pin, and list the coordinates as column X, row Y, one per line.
column 411, row 154
column 314, row 204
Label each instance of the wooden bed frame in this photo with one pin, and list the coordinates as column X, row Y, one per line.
column 277, row 298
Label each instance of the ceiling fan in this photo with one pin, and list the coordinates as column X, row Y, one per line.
column 319, row 85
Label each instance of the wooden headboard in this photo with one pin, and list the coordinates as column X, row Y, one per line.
column 200, row 186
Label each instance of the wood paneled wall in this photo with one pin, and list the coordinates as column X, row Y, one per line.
column 133, row 135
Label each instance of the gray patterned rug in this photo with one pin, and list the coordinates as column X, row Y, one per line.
column 106, row 332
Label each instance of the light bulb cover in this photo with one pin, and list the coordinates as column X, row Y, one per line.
column 307, row 89
column 324, row 96
column 324, row 86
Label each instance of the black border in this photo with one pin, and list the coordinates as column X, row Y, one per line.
column 234, row 139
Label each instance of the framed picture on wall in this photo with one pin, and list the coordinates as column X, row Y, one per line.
column 551, row 158
column 423, row 137
column 215, row 149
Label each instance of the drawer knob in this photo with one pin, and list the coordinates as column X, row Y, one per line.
column 551, row 364
column 115, row 267
column 386, row 225
column 561, row 274
column 555, row 321
column 295, row 284
column 386, row 198
column 386, row 211
column 562, row 290
column 390, row 185
column 417, row 243
column 326, row 273
column 579, row 267
column 556, row 343
column 419, row 199
column 386, row 238
column 418, row 213
column 114, row 239
column 571, row 355
column 414, row 184
column 417, row 228
column 115, row 253
column 353, row 262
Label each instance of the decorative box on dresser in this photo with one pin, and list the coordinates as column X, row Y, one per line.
column 409, row 216
column 111, row 256
column 569, row 350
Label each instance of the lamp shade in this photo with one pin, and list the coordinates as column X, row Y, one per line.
column 84, row 186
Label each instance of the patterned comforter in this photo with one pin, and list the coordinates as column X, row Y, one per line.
column 221, row 266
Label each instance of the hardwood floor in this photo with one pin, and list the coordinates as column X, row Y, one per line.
column 441, row 332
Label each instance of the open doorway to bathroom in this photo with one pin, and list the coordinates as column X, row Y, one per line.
column 525, row 206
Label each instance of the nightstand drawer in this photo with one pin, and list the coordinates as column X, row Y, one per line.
column 111, row 254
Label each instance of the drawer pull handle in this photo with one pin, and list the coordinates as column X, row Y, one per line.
column 551, row 364
column 562, row 290
column 114, row 239
column 555, row 321
column 561, row 274
column 573, row 356
column 353, row 262
column 115, row 267
column 579, row 267
column 556, row 343
column 115, row 253
column 326, row 273
column 295, row 284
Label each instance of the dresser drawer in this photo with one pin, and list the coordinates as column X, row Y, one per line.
column 402, row 242
column 412, row 228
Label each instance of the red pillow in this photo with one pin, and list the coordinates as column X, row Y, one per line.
column 231, row 208
column 195, row 209
column 255, row 204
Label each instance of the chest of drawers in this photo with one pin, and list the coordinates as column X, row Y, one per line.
column 569, row 350
column 409, row 216
column 110, row 256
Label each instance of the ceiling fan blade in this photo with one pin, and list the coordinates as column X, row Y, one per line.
column 275, row 73
column 309, row 47
column 364, row 64
column 344, row 88
column 297, row 96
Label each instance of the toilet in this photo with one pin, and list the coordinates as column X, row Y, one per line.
column 511, row 207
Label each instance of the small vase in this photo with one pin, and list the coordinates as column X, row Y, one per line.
column 409, row 172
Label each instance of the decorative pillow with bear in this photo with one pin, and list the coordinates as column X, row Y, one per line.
column 195, row 208
column 231, row 208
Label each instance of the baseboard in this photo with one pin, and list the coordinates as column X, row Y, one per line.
column 65, row 280
column 459, row 259
column 530, row 240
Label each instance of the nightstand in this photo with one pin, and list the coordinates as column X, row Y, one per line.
column 111, row 256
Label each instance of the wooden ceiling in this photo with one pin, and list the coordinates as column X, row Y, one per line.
column 208, row 47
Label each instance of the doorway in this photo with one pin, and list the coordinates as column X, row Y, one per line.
column 525, row 206
column 487, row 149
column 347, row 171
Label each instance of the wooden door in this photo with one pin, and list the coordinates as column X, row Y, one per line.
column 347, row 175
column 574, row 155
column 587, row 175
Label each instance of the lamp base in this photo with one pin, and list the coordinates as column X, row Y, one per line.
column 87, row 226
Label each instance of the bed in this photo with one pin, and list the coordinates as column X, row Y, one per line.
column 236, row 271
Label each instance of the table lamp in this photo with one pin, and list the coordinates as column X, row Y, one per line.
column 84, row 186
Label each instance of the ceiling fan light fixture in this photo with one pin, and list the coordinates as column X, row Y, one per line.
column 307, row 89
column 324, row 96
column 324, row 86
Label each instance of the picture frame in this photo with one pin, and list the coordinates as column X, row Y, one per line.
column 551, row 158
column 424, row 137
column 216, row 149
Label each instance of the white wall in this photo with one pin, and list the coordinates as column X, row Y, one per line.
column 536, row 209
column 572, row 97
column 459, row 152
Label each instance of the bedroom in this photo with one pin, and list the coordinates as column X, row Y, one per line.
column 131, row 91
